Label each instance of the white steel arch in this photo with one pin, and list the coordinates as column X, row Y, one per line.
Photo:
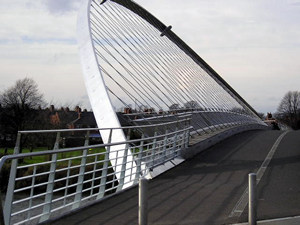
column 104, row 112
column 130, row 57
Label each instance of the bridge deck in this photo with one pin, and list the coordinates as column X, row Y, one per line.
column 205, row 189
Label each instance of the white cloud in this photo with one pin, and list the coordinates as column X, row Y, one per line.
column 55, row 67
column 32, row 21
column 39, row 43
column 253, row 45
column 61, row 7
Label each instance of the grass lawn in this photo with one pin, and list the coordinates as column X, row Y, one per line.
column 67, row 155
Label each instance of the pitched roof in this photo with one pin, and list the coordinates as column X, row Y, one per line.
column 85, row 119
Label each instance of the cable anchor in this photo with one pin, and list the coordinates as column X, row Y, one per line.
column 165, row 31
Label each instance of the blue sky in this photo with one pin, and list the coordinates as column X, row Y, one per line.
column 253, row 45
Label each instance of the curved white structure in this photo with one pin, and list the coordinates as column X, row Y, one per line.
column 130, row 59
column 103, row 110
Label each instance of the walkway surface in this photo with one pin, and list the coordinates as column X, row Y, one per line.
column 207, row 188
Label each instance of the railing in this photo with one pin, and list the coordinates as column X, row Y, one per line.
column 203, row 121
column 45, row 184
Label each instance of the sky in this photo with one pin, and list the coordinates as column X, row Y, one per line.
column 253, row 45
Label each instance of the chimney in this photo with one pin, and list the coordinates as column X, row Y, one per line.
column 127, row 110
column 77, row 109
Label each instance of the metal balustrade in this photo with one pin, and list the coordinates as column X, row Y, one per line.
column 44, row 184
column 202, row 121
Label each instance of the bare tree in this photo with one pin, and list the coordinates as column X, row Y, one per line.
column 20, row 102
column 288, row 109
column 24, row 94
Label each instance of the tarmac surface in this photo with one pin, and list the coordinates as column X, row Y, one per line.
column 207, row 188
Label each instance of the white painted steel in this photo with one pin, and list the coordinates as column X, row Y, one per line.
column 11, row 183
column 252, row 202
column 100, row 101
column 143, row 201
column 72, row 181
column 50, row 184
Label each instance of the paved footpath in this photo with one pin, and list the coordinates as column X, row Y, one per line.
column 207, row 188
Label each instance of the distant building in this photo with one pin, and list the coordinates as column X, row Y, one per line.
column 66, row 118
column 84, row 119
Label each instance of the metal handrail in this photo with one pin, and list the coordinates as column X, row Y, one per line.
column 74, row 149
column 111, row 128
column 152, row 151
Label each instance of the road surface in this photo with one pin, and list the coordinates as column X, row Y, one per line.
column 207, row 188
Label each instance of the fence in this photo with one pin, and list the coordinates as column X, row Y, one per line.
column 44, row 184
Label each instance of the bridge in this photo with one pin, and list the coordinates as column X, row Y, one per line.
column 177, row 115
column 208, row 188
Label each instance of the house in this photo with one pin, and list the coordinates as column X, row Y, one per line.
column 84, row 119
column 64, row 118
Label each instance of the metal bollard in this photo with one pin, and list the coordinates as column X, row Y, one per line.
column 143, row 201
column 252, row 212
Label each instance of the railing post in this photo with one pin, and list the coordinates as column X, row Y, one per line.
column 175, row 142
column 11, row 183
column 105, row 168
column 80, row 180
column 50, row 185
column 153, row 149
column 143, row 201
column 188, row 133
column 165, row 146
column 31, row 191
column 139, row 160
column 124, row 162
column 183, row 137
column 252, row 199
column 67, row 181
column 187, row 138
